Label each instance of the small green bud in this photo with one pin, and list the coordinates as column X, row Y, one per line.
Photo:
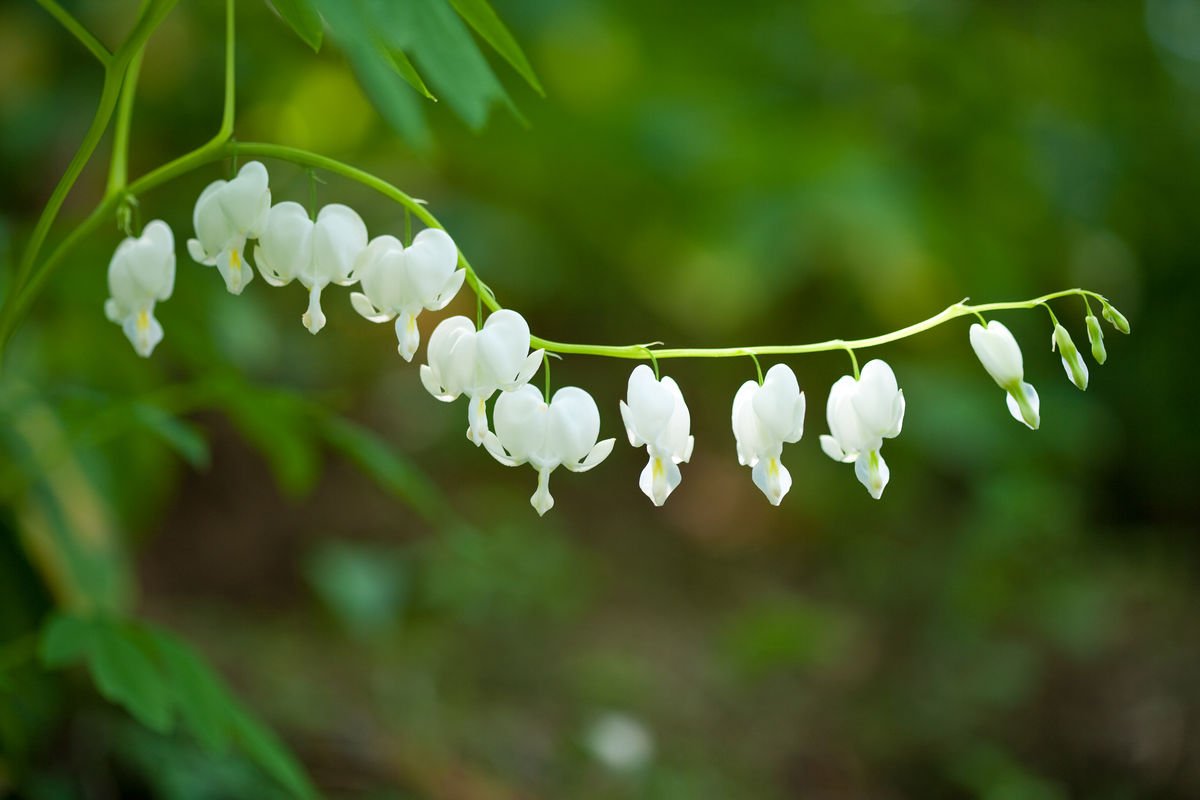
column 1096, row 337
column 1076, row 370
column 1117, row 319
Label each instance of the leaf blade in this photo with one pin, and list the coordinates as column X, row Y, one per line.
column 303, row 19
column 480, row 15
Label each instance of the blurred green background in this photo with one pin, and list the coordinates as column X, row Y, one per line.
column 1016, row 618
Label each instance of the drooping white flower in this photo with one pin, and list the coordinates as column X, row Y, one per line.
column 226, row 215
column 764, row 418
column 398, row 282
column 562, row 432
column 477, row 363
column 861, row 414
column 293, row 247
column 1076, row 370
column 657, row 417
column 1001, row 357
column 141, row 272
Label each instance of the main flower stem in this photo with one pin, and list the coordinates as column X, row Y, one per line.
column 216, row 150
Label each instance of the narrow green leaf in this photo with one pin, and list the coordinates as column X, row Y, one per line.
column 261, row 744
column 387, row 467
column 482, row 17
column 126, row 673
column 303, row 19
column 406, row 70
column 184, row 439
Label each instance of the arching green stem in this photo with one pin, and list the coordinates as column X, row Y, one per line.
column 78, row 31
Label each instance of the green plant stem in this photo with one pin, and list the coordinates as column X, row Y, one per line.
column 118, row 170
column 78, row 31
column 114, row 74
column 215, row 151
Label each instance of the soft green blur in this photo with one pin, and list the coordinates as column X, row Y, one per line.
column 1014, row 619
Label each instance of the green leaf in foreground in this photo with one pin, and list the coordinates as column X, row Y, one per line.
column 482, row 17
column 159, row 680
column 303, row 19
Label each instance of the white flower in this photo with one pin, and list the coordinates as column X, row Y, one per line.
column 317, row 254
column 399, row 281
column 1001, row 357
column 141, row 272
column 861, row 414
column 764, row 418
column 226, row 215
column 546, row 436
column 657, row 417
column 1077, row 371
column 477, row 363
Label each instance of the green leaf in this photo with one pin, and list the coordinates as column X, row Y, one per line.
column 436, row 38
column 126, row 672
column 480, row 16
column 406, row 70
column 387, row 467
column 184, row 439
column 262, row 745
column 376, row 69
column 65, row 639
column 303, row 19
column 202, row 701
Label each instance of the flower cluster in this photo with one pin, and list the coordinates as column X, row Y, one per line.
column 494, row 358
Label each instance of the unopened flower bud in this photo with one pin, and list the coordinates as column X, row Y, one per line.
column 1072, row 363
column 1096, row 337
column 1117, row 319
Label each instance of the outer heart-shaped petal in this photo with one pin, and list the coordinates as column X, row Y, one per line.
column 451, row 355
column 285, row 244
column 501, row 348
column 430, row 262
column 520, row 418
column 339, row 236
column 999, row 352
column 779, row 404
column 874, row 398
column 226, row 214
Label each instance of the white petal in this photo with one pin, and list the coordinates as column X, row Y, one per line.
column 872, row 472
column 434, row 386
column 520, row 420
column 834, row 450
column 233, row 268
column 772, row 477
column 362, row 304
column 113, row 311
column 844, row 423
column 897, row 416
column 541, row 500
column 775, row 402
column 408, row 336
column 597, row 454
column 241, row 199
column 998, row 352
column 196, row 251
column 339, row 236
column 658, row 479
column 573, row 424
column 285, row 248
column 630, row 430
column 314, row 317
column 446, row 350
column 430, row 262
column 143, row 331
column 528, row 367
column 492, row 444
column 502, row 346
column 477, row 421
column 448, row 291
column 213, row 228
column 746, row 431
column 650, row 403
column 874, row 397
